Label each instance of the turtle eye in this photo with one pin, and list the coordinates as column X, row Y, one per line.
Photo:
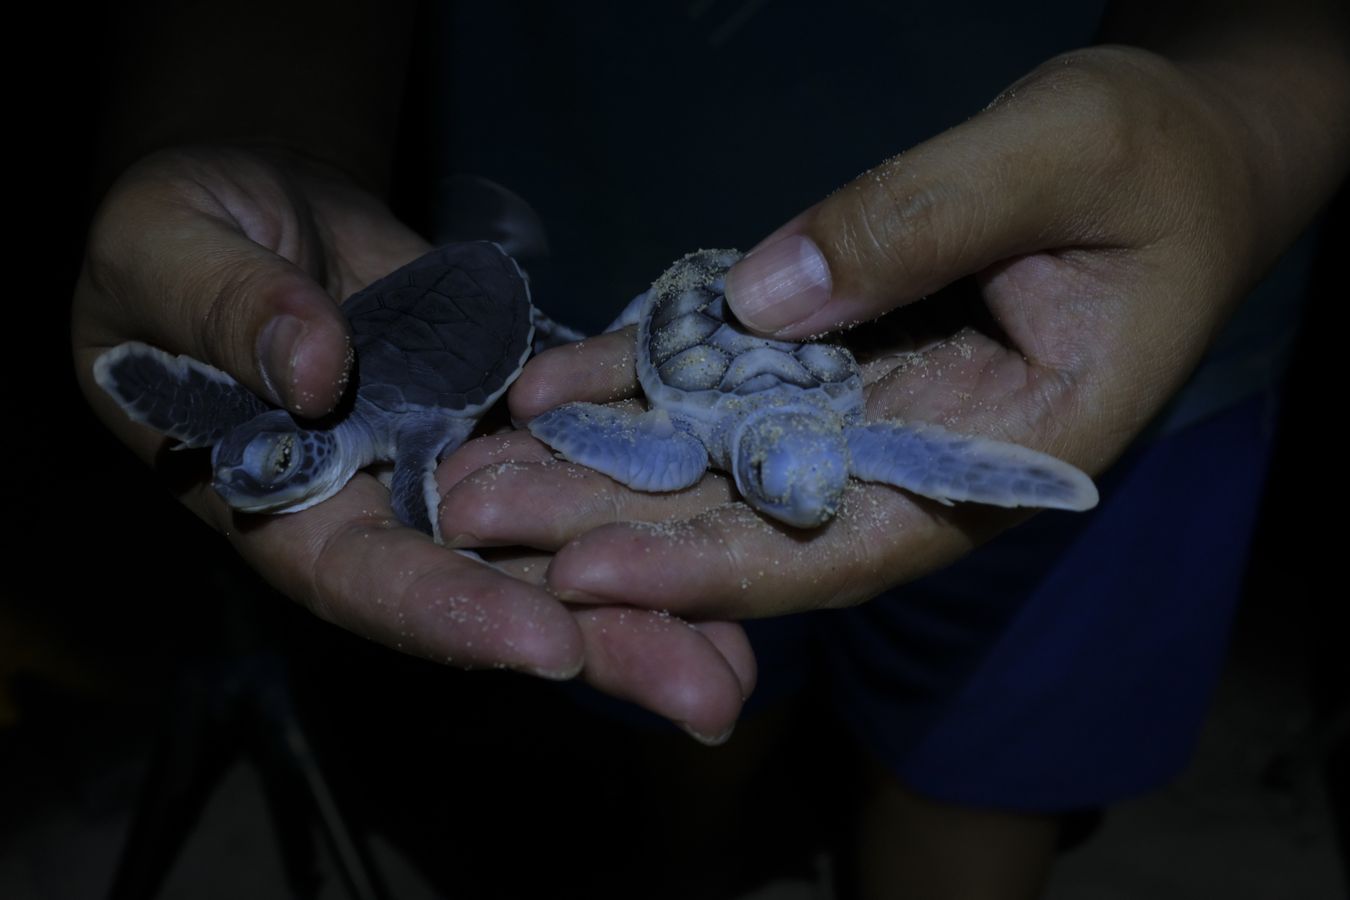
column 270, row 457
column 281, row 455
column 757, row 477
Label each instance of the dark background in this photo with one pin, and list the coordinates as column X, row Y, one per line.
column 122, row 610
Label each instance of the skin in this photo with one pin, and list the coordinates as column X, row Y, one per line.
column 234, row 244
column 1112, row 209
column 1114, row 205
column 217, row 236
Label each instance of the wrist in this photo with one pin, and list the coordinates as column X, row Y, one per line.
column 1277, row 76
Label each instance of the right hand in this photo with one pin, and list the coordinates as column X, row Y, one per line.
column 1113, row 207
column 233, row 256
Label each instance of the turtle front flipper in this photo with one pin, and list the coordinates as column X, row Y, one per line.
column 420, row 445
column 946, row 467
column 178, row 396
column 646, row 451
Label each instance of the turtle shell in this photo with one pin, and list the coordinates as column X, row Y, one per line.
column 448, row 331
column 694, row 357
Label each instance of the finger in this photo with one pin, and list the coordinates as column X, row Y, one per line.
column 669, row 667
column 1030, row 172
column 730, row 563
column 527, row 565
column 653, row 660
column 490, row 450
column 596, row 370
column 169, row 265
column 349, row 562
column 546, row 504
column 731, row 641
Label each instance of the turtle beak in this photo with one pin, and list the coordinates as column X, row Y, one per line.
column 792, row 465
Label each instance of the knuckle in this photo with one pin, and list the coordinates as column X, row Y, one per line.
column 100, row 258
column 110, row 248
column 1116, row 127
column 323, row 580
column 1136, row 118
column 223, row 317
column 131, row 268
column 908, row 231
column 475, row 508
column 890, row 226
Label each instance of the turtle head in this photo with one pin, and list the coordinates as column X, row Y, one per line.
column 273, row 464
column 792, row 463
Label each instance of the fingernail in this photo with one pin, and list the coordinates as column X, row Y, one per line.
column 707, row 740
column 572, row 595
column 779, row 285
column 278, row 347
column 567, row 674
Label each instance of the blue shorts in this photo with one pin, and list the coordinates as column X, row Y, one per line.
column 1068, row 663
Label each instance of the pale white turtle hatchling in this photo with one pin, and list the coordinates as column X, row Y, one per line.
column 785, row 419
column 436, row 343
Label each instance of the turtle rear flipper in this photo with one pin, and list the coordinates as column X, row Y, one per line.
column 188, row 400
column 645, row 451
column 422, row 443
column 946, row 467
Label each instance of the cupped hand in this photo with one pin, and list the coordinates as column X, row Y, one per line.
column 1104, row 216
column 234, row 256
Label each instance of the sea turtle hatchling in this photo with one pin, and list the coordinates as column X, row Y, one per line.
column 436, row 342
column 786, row 419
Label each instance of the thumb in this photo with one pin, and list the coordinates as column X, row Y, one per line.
column 1023, row 175
column 193, row 283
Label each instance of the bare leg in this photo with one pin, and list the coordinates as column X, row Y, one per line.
column 911, row 848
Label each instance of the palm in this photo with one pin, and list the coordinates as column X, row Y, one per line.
column 199, row 253
column 1013, row 354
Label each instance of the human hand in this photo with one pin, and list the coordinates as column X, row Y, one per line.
column 233, row 256
column 1113, row 207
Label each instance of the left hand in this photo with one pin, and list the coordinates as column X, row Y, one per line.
column 203, row 251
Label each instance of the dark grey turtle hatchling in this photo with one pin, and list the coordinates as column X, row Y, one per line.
column 436, row 342
column 785, row 419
